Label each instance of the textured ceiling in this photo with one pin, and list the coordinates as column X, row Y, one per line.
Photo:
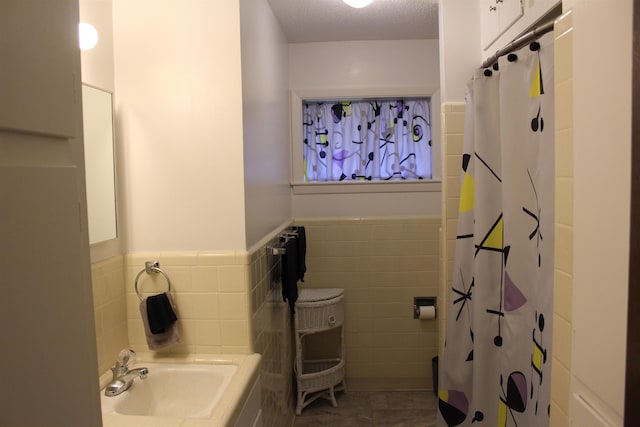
column 331, row 20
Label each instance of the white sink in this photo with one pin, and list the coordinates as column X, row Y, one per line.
column 173, row 390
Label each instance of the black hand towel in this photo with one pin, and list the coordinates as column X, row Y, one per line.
column 301, row 245
column 290, row 273
column 160, row 313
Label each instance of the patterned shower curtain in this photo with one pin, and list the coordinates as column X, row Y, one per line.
column 496, row 366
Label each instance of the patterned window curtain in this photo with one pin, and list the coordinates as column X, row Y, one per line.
column 370, row 140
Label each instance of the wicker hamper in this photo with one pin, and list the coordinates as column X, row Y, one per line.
column 317, row 311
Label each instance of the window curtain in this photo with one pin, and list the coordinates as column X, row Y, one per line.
column 367, row 140
column 496, row 369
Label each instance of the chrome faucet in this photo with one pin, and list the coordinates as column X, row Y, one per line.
column 123, row 376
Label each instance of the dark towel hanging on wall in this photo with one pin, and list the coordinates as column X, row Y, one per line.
column 160, row 313
column 301, row 245
column 290, row 273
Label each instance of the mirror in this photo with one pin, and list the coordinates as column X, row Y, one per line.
column 97, row 115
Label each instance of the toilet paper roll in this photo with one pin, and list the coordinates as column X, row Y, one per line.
column 427, row 312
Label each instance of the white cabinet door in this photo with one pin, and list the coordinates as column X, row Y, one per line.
column 509, row 11
column 489, row 22
column 39, row 75
column 46, row 304
column 496, row 17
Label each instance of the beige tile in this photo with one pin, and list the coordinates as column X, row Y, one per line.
column 390, row 309
column 97, row 315
column 455, row 144
column 135, row 331
column 114, row 314
column 389, row 231
column 453, row 106
column 403, row 247
column 137, row 260
column 339, row 249
column 563, row 23
column 563, row 295
column 452, row 205
column 196, row 306
column 236, row 350
column 564, row 105
column 452, row 228
column 401, row 355
column 216, row 258
column 360, row 355
column 116, row 284
column 564, row 153
column 204, row 279
column 454, row 122
column 201, row 332
column 178, row 258
column 558, row 418
column 235, row 333
column 453, row 164
column 233, row 306
column 180, row 277
column 133, row 305
column 407, row 324
column 114, row 341
column 338, row 264
column 208, row 349
column 359, row 339
column 100, row 288
column 560, row 385
column 564, row 201
column 407, row 341
column 358, row 324
column 563, row 56
column 562, row 340
column 564, row 248
column 232, row 278
column 394, row 369
column 359, row 370
column 397, row 259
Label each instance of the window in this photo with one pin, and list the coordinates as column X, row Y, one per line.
column 367, row 140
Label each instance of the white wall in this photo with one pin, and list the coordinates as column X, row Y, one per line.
column 367, row 68
column 602, row 148
column 364, row 64
column 178, row 104
column 460, row 50
column 265, row 114
column 98, row 70
column 97, row 63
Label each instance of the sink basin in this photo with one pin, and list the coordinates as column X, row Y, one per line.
column 173, row 390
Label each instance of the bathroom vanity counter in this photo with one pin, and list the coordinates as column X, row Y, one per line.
column 226, row 411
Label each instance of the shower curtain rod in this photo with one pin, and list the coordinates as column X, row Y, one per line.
column 518, row 43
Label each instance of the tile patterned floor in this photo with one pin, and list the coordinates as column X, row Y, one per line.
column 372, row 409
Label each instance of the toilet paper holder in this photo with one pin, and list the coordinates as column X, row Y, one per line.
column 424, row 302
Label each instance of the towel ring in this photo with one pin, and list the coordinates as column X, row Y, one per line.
column 151, row 267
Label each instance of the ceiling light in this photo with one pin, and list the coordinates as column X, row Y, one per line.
column 87, row 35
column 358, row 3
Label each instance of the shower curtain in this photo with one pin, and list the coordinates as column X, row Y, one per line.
column 496, row 366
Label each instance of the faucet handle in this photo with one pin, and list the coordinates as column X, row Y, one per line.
column 126, row 357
